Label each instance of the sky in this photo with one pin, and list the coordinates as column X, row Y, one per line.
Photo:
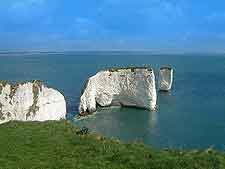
column 154, row 25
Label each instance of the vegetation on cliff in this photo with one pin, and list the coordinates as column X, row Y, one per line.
column 35, row 145
column 2, row 84
column 37, row 86
column 131, row 68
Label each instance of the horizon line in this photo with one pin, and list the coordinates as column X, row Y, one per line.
column 106, row 50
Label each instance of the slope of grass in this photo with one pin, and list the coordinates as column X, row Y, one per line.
column 56, row 145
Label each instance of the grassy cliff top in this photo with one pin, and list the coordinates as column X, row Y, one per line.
column 132, row 68
column 5, row 82
column 14, row 86
column 166, row 67
column 57, row 145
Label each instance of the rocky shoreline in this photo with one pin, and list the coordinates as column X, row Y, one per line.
column 128, row 86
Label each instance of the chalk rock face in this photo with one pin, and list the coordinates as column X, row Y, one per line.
column 30, row 101
column 133, row 87
column 165, row 78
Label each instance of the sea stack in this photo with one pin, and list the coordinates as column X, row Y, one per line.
column 130, row 87
column 30, row 101
column 165, row 78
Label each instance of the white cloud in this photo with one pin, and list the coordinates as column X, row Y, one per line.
column 220, row 36
column 82, row 21
column 26, row 4
column 164, row 11
column 216, row 17
column 83, row 25
column 156, row 10
column 26, row 10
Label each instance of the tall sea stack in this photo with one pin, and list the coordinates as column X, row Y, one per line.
column 165, row 78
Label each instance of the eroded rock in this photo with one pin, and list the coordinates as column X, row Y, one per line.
column 133, row 87
column 30, row 101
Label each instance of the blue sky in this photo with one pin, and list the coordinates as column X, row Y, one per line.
column 155, row 25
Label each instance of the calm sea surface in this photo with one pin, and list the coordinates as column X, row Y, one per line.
column 192, row 115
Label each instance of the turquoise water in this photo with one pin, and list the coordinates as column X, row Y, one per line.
column 192, row 115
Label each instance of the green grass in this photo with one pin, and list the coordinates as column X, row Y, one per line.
column 55, row 145
column 132, row 68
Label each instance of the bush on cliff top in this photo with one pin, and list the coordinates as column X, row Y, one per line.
column 56, row 145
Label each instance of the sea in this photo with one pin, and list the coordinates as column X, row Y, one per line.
column 190, row 116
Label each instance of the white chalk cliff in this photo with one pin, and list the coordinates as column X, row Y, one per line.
column 30, row 101
column 133, row 87
column 165, row 78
